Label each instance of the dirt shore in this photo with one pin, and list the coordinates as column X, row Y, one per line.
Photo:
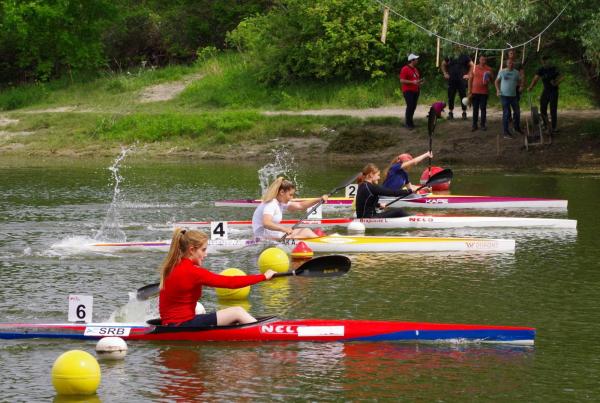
column 575, row 147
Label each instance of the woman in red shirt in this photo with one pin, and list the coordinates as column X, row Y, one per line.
column 182, row 278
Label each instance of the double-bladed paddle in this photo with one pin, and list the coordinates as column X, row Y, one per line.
column 443, row 176
column 316, row 206
column 322, row 266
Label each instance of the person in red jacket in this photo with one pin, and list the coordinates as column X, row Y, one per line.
column 182, row 278
column 411, row 81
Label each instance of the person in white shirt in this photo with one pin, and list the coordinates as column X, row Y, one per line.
column 276, row 200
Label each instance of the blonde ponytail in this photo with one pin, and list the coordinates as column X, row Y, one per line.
column 180, row 244
column 273, row 190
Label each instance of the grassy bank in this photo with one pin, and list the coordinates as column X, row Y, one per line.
column 221, row 109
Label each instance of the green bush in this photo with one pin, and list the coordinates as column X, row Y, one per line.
column 331, row 39
column 19, row 97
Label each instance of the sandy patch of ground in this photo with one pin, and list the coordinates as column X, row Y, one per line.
column 421, row 112
column 167, row 91
column 7, row 122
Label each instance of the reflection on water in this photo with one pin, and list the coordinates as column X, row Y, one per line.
column 350, row 371
column 550, row 282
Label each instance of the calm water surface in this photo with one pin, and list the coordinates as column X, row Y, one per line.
column 550, row 282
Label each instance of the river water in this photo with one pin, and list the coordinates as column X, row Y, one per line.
column 550, row 282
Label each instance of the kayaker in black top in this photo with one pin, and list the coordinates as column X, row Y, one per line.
column 367, row 195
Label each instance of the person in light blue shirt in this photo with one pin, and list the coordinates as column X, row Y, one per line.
column 507, row 85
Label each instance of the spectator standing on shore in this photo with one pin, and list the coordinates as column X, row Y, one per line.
column 456, row 71
column 520, row 67
column 411, row 81
column 507, row 85
column 551, row 78
column 479, row 80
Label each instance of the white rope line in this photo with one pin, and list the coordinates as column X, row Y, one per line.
column 430, row 32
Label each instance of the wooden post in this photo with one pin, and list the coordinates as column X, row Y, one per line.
column 386, row 13
column 501, row 60
column 523, row 58
column 475, row 61
column 437, row 53
column 539, row 42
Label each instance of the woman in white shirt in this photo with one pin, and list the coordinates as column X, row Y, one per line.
column 276, row 200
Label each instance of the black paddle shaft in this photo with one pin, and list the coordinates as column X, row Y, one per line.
column 322, row 266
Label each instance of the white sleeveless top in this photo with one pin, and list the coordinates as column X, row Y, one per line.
column 273, row 208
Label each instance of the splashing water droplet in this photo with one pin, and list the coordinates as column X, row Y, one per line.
column 110, row 230
column 283, row 164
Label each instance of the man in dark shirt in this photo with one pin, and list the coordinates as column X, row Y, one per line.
column 551, row 78
column 457, row 70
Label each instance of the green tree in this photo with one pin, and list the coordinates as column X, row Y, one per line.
column 329, row 39
column 43, row 39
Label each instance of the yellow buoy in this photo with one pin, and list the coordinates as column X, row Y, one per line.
column 273, row 259
column 233, row 293
column 76, row 373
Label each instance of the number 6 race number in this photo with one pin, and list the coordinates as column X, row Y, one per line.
column 80, row 308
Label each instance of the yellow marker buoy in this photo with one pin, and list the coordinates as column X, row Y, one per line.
column 233, row 293
column 76, row 372
column 273, row 259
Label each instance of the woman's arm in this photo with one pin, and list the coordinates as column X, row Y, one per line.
column 416, row 160
column 269, row 224
column 211, row 279
column 379, row 190
column 305, row 204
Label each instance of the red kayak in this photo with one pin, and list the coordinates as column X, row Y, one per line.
column 274, row 329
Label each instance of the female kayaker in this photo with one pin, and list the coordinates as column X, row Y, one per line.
column 367, row 195
column 396, row 176
column 182, row 278
column 276, row 200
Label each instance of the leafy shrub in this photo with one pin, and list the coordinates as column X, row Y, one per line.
column 324, row 40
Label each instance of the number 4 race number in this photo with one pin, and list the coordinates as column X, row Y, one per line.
column 218, row 230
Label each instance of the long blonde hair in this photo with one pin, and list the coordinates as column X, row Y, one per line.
column 182, row 240
column 366, row 171
column 273, row 190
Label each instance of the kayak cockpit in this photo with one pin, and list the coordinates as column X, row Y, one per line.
column 159, row 328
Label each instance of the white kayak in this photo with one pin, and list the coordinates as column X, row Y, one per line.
column 220, row 245
column 340, row 243
column 438, row 201
column 414, row 221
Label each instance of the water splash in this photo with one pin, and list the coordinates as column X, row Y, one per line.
column 135, row 311
column 283, row 164
column 110, row 230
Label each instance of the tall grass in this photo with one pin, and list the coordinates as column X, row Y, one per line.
column 105, row 89
column 230, row 82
